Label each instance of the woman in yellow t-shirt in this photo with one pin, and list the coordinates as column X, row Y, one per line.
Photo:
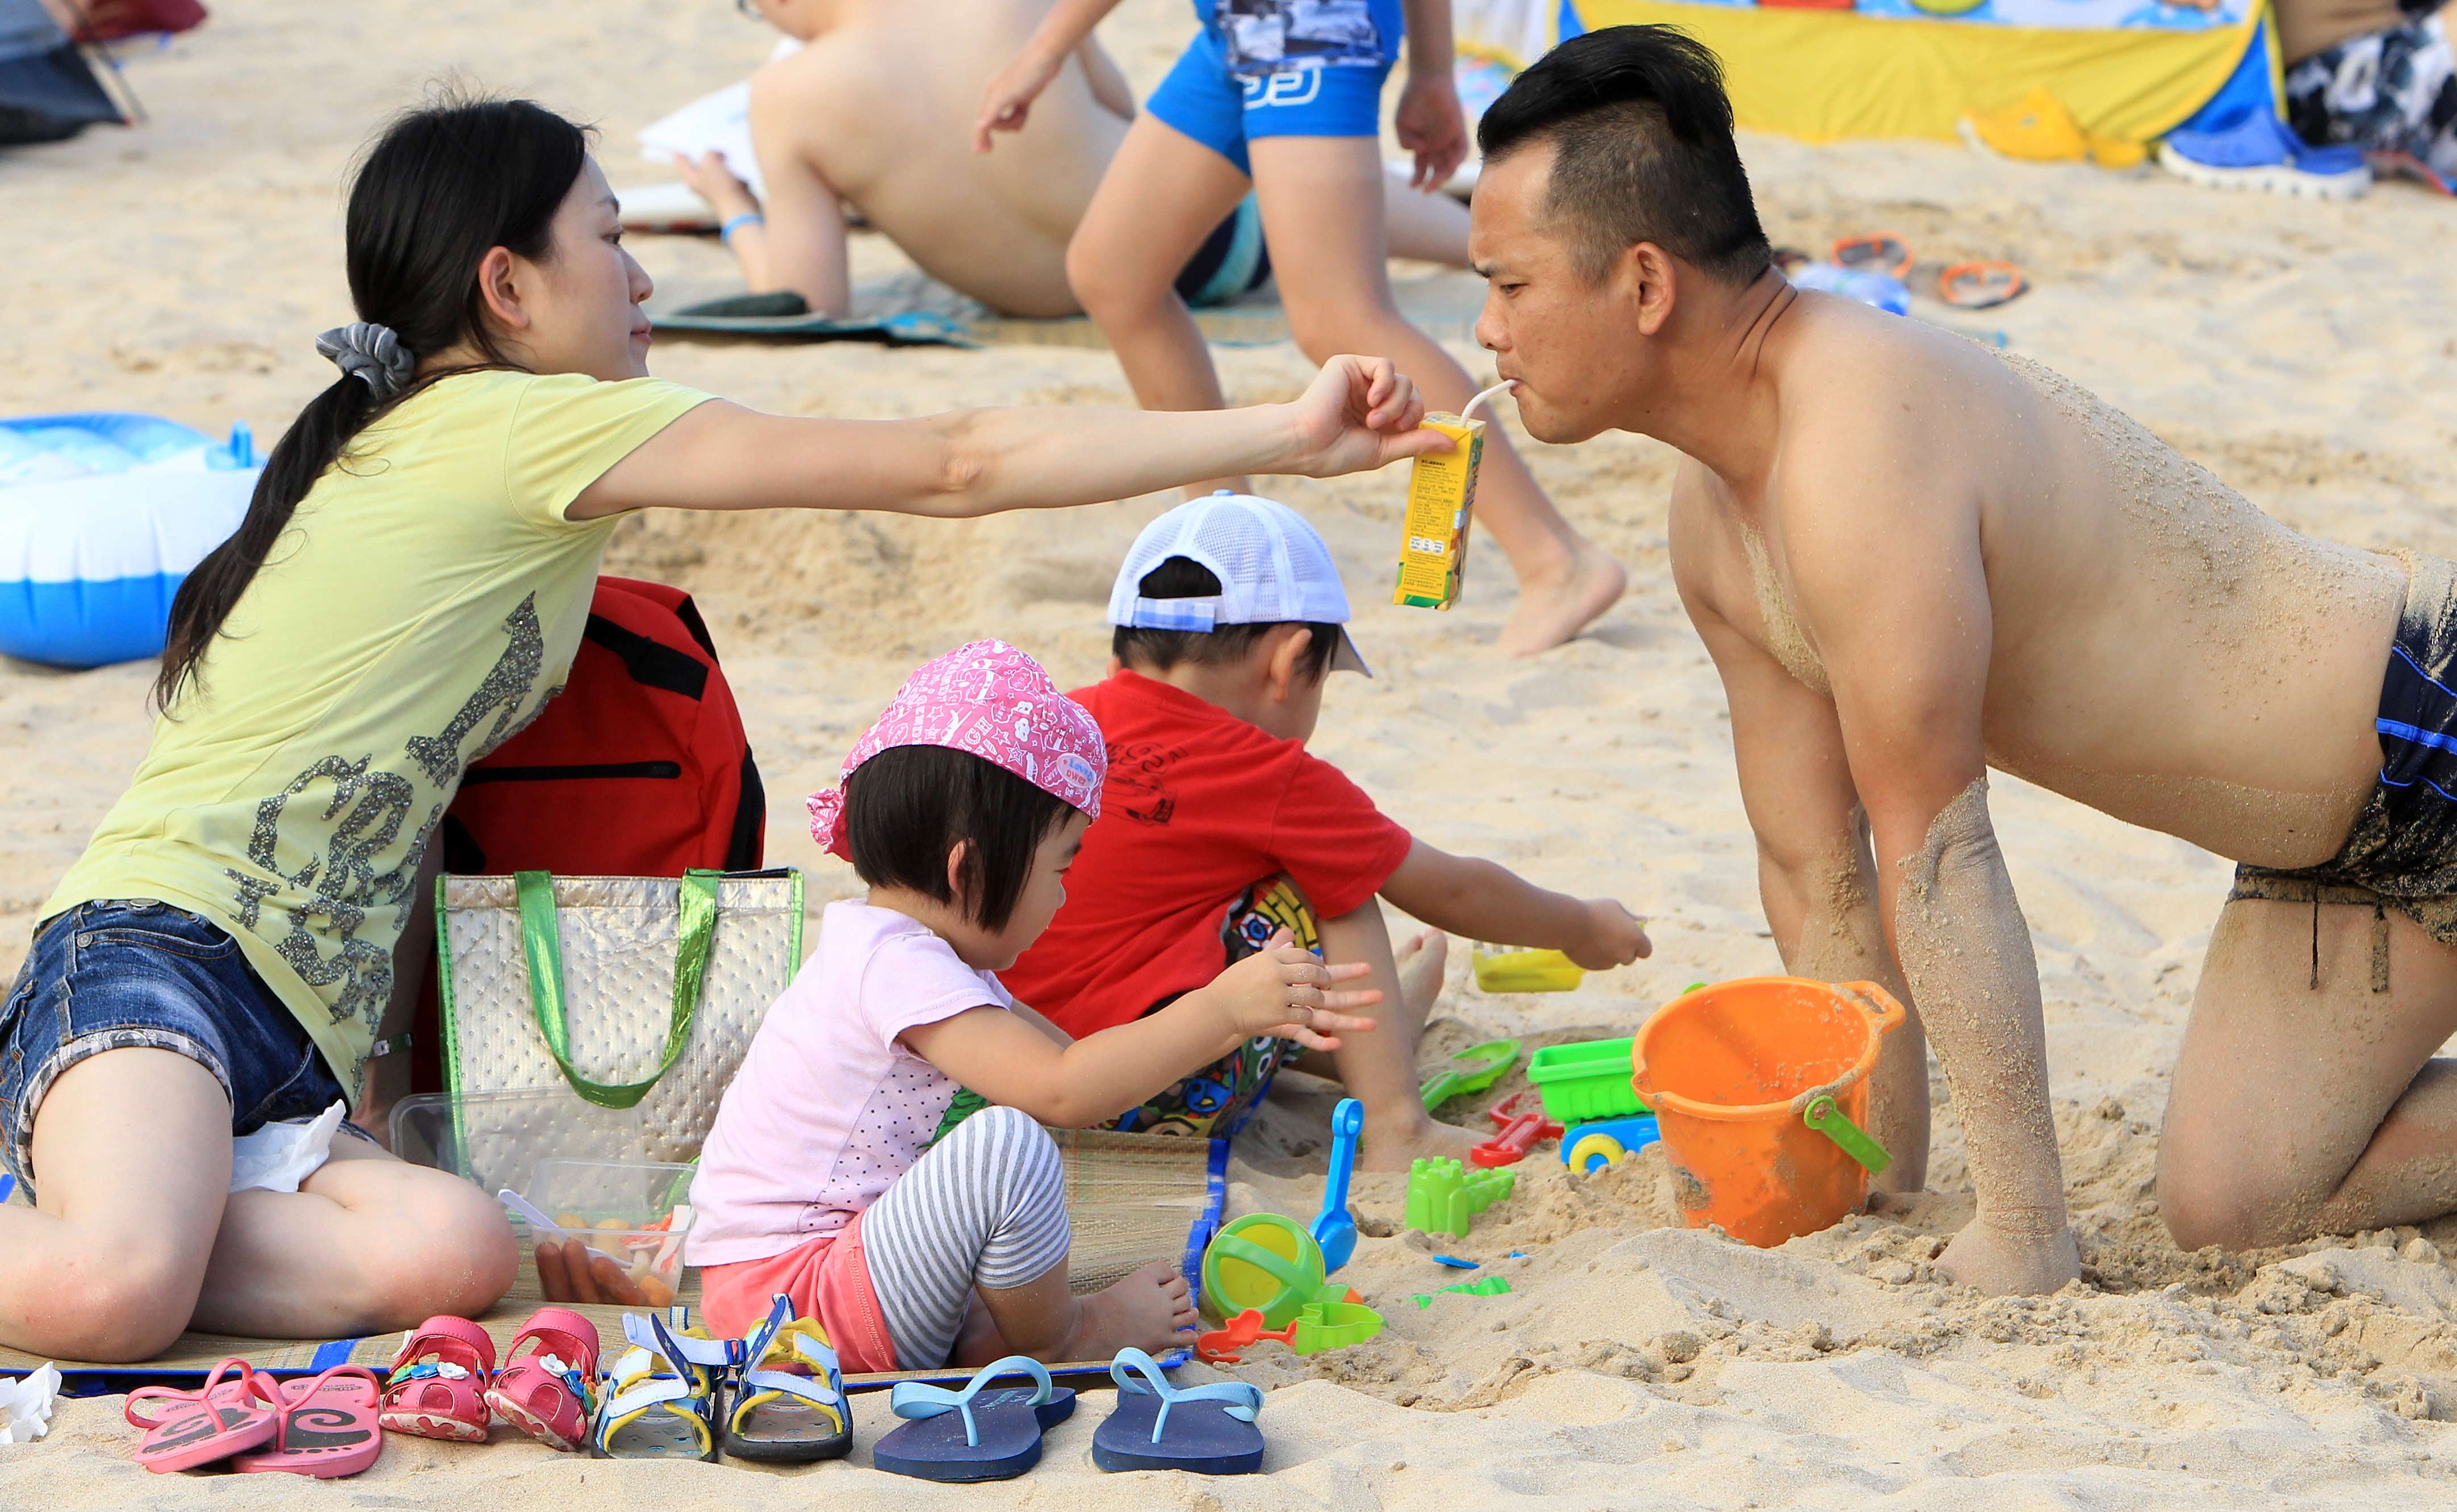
column 408, row 586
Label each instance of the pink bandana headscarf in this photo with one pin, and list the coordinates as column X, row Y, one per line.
column 994, row 701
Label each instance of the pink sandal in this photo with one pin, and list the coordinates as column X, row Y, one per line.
column 325, row 1426
column 439, row 1379
column 545, row 1394
column 218, row 1420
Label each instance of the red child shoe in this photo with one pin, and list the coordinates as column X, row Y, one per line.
column 546, row 1394
column 438, row 1381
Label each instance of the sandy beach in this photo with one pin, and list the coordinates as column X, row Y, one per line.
column 2305, row 353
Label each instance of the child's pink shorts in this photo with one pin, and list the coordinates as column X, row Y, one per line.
column 828, row 1279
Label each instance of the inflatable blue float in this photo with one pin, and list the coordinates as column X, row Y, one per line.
column 101, row 517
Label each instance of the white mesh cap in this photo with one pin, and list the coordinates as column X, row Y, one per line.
column 1272, row 567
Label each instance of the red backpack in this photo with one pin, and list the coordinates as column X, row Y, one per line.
column 639, row 767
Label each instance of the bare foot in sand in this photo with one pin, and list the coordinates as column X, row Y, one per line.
column 1420, row 962
column 1147, row 1309
column 1555, row 607
column 1384, row 1147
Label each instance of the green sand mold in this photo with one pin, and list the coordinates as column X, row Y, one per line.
column 1443, row 1195
column 1490, row 1286
column 1334, row 1325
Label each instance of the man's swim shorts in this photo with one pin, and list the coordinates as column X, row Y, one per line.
column 2403, row 852
column 1281, row 67
column 1231, row 261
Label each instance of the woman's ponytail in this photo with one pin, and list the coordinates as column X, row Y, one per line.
column 441, row 188
column 313, row 442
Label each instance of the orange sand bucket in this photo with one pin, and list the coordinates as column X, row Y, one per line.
column 1761, row 1087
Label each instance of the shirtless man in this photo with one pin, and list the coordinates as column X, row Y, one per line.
column 1912, row 560
column 876, row 111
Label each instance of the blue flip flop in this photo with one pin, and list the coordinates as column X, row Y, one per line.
column 1157, row 1426
column 973, row 1435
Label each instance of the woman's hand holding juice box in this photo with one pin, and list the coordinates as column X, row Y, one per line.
column 1442, row 504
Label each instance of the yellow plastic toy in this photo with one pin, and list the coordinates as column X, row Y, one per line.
column 2040, row 128
column 1441, row 505
column 1526, row 971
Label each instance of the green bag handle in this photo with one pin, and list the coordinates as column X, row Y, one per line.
column 544, row 950
column 1827, row 1119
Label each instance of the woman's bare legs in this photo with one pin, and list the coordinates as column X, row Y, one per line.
column 1322, row 206
column 135, row 1236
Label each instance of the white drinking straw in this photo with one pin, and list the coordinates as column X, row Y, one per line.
column 1468, row 410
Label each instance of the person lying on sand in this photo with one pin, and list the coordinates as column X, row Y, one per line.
column 876, row 111
column 1914, row 560
column 408, row 586
column 1283, row 98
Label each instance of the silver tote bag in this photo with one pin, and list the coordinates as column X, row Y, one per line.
column 601, row 1018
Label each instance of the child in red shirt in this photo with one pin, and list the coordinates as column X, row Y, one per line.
column 1222, row 828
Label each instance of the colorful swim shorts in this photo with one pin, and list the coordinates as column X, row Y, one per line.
column 2402, row 854
column 1281, row 67
column 1232, row 261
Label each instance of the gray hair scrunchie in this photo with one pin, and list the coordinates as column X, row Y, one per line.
column 364, row 349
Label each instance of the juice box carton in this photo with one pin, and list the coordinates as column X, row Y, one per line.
column 1442, row 504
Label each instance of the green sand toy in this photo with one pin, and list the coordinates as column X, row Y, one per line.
column 1470, row 1070
column 1443, row 1195
column 1490, row 1286
column 1585, row 1080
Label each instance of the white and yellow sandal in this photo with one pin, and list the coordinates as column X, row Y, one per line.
column 659, row 1400
column 788, row 1391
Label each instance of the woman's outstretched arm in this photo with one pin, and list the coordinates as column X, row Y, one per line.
column 1358, row 414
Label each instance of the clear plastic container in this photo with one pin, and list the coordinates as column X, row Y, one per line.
column 614, row 1232
column 499, row 1139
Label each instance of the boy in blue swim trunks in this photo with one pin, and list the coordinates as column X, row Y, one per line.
column 1283, row 98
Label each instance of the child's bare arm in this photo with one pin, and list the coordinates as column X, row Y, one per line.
column 1428, row 120
column 1057, row 1036
column 1007, row 102
column 1282, row 991
column 1431, row 36
column 1462, row 895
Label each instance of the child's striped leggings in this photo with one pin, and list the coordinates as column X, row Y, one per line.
column 985, row 1207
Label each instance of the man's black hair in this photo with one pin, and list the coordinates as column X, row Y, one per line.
column 1160, row 650
column 908, row 806
column 1641, row 131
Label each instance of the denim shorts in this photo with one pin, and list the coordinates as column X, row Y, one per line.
column 136, row 974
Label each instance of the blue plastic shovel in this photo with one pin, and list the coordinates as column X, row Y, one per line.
column 1334, row 1228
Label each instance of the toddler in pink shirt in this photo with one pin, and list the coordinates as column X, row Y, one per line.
column 830, row 1176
